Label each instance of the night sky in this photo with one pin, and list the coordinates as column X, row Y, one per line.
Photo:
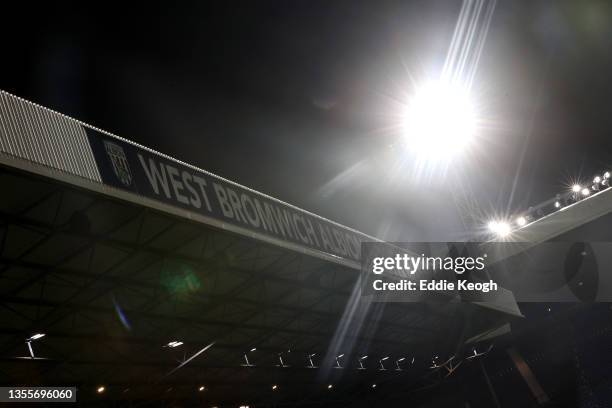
column 295, row 98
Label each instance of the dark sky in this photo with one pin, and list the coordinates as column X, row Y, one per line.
column 292, row 98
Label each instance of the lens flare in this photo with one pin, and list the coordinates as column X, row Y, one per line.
column 440, row 121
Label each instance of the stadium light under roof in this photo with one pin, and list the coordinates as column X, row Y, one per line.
column 36, row 336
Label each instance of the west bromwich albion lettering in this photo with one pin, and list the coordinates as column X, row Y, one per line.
column 164, row 176
column 191, row 190
column 171, row 182
column 243, row 208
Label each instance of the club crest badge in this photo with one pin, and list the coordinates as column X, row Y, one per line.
column 121, row 167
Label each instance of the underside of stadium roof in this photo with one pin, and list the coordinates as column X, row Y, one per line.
column 111, row 283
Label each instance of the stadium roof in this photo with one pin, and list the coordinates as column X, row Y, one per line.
column 114, row 251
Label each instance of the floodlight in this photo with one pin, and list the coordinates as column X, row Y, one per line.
column 247, row 363
column 440, row 120
column 373, row 385
column 309, row 357
column 557, row 204
column 597, row 180
column 29, row 341
column 503, row 229
column 281, row 361
column 397, row 363
column 382, row 366
column 338, row 361
column 521, row 221
column 36, row 336
column 576, row 188
column 101, row 389
column 202, row 388
column 330, row 386
column 585, row 192
column 500, row 228
column 274, row 387
column 174, row 344
column 607, row 175
column 360, row 361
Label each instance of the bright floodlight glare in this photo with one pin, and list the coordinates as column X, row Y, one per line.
column 607, row 175
column 576, row 188
column 585, row 192
column 330, row 386
column 557, row 204
column 440, row 120
column 521, row 221
column 597, row 180
column 101, row 389
column 500, row 228
column 274, row 387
